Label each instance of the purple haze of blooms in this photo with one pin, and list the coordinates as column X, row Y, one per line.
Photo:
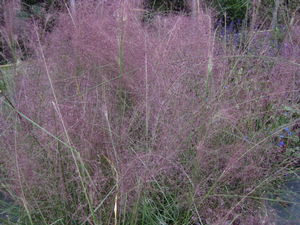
column 281, row 144
column 236, row 39
column 144, row 123
column 230, row 28
column 288, row 130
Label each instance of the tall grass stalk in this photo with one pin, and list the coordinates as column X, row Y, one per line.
column 81, row 170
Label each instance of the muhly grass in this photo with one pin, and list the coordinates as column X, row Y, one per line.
column 116, row 120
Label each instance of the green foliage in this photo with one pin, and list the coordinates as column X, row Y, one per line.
column 164, row 7
column 6, row 81
column 160, row 208
column 2, row 86
column 233, row 9
column 167, row 5
column 9, row 212
column 290, row 136
column 125, row 101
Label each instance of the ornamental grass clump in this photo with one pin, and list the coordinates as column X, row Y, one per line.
column 113, row 112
